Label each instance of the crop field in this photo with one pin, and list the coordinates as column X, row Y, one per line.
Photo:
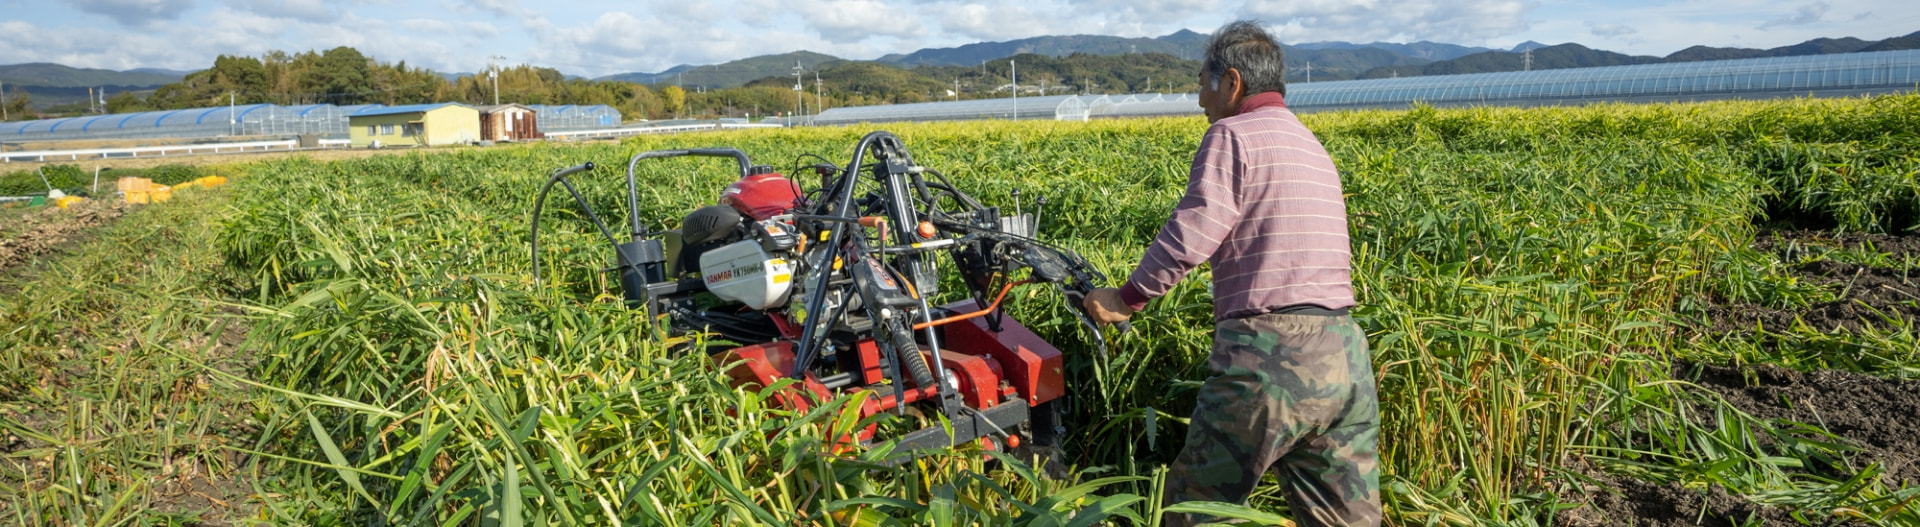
column 1697, row 314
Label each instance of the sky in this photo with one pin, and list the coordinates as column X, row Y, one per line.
column 597, row 38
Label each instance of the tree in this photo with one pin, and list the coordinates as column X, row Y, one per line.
column 676, row 99
column 126, row 102
column 17, row 101
column 340, row 76
column 244, row 75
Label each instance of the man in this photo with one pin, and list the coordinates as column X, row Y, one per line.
column 1292, row 381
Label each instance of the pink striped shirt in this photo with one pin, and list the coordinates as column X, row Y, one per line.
column 1263, row 206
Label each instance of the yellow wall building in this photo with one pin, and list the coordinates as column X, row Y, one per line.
column 414, row 125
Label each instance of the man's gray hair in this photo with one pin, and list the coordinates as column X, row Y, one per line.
column 1243, row 45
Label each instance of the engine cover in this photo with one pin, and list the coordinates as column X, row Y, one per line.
column 762, row 196
column 743, row 272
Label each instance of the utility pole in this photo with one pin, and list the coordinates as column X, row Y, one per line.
column 956, row 90
column 1015, row 72
column 494, row 74
column 3, row 103
column 232, row 120
column 799, row 90
column 1527, row 65
column 819, row 95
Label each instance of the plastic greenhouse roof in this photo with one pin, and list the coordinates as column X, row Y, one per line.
column 1147, row 105
column 570, row 108
column 305, row 110
column 1850, row 71
column 404, row 108
column 1042, row 107
column 215, row 116
column 1881, row 69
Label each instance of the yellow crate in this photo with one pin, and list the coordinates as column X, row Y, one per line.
column 69, row 200
column 161, row 193
column 211, row 181
column 135, row 184
column 139, row 197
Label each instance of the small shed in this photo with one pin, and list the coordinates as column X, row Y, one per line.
column 508, row 122
column 414, row 125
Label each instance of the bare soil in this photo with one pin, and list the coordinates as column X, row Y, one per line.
column 1622, row 500
column 47, row 229
column 1867, row 296
column 1880, row 415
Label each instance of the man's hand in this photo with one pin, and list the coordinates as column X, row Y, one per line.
column 1106, row 307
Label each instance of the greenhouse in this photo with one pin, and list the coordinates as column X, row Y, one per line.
column 1819, row 75
column 1839, row 74
column 574, row 117
column 325, row 120
column 249, row 119
column 1045, row 107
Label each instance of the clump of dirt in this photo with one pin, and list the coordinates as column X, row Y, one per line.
column 1867, row 296
column 1623, row 500
column 1877, row 414
column 46, row 230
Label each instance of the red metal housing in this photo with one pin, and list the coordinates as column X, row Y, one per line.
column 762, row 196
column 988, row 367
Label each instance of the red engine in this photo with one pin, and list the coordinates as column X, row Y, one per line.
column 762, row 195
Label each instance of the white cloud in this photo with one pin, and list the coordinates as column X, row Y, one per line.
column 134, row 12
column 1612, row 30
column 1134, row 18
column 1466, row 21
column 503, row 8
column 1806, row 14
column 315, row 11
column 989, row 21
column 88, row 47
column 845, row 21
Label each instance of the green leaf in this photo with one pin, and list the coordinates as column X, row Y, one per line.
column 336, row 458
column 1227, row 511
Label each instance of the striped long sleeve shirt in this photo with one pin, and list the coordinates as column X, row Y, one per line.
column 1263, row 206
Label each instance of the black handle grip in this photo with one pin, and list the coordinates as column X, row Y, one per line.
column 564, row 172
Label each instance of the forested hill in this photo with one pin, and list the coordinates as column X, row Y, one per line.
column 58, row 76
column 1578, row 56
column 733, row 73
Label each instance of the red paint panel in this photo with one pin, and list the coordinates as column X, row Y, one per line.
column 1032, row 365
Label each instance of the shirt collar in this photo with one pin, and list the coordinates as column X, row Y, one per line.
column 1262, row 100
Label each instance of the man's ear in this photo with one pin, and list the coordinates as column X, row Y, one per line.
column 1235, row 89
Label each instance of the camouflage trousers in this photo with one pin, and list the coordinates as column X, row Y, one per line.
column 1293, row 390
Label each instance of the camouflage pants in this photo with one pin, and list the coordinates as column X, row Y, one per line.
column 1293, row 389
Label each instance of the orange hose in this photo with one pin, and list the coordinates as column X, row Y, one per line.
column 976, row 314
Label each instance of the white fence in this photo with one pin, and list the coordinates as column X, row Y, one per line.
column 264, row 146
column 154, row 151
column 641, row 130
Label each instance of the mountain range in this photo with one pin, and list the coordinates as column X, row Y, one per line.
column 1307, row 61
